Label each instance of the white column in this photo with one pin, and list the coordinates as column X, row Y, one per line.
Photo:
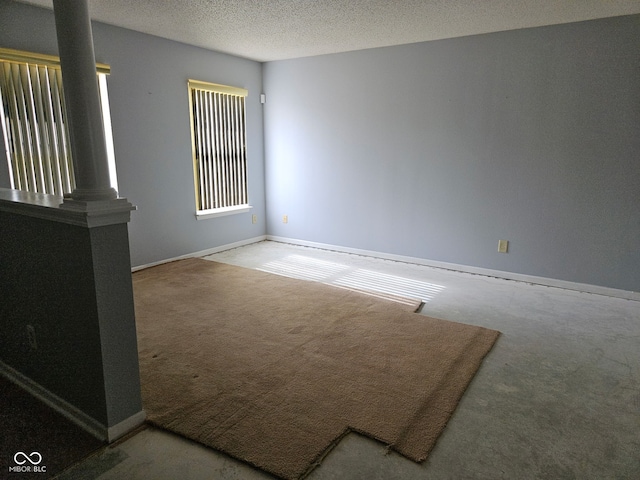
column 82, row 101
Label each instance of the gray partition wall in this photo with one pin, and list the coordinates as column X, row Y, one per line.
column 438, row 150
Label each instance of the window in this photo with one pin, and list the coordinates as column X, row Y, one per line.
column 218, row 141
column 33, row 123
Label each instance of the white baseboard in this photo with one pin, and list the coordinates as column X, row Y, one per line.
column 70, row 412
column 126, row 426
column 549, row 282
column 203, row 253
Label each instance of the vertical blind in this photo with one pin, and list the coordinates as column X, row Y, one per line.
column 219, row 145
column 33, row 122
column 35, row 134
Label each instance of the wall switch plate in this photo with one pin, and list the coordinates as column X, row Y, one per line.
column 285, row 219
column 254, row 218
column 503, row 246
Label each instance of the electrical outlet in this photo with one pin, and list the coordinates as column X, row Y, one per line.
column 285, row 219
column 254, row 218
column 31, row 334
column 503, row 246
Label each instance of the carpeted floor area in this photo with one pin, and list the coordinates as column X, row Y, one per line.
column 274, row 371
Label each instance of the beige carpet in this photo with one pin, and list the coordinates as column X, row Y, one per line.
column 273, row 370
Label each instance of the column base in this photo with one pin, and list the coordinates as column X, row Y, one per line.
column 94, row 194
column 96, row 213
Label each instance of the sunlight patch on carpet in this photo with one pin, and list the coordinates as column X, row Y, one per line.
column 382, row 285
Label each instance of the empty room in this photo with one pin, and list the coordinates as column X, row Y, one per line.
column 319, row 239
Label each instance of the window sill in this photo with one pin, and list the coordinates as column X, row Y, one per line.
column 221, row 212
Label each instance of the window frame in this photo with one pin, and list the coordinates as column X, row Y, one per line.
column 239, row 158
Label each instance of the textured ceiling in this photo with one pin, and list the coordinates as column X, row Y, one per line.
column 266, row 30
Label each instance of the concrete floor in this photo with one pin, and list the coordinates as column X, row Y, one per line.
column 558, row 397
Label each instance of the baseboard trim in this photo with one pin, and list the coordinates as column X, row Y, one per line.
column 203, row 253
column 70, row 412
column 126, row 426
column 548, row 282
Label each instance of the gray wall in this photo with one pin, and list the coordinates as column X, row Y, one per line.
column 150, row 116
column 432, row 150
column 72, row 285
column 45, row 268
column 437, row 150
